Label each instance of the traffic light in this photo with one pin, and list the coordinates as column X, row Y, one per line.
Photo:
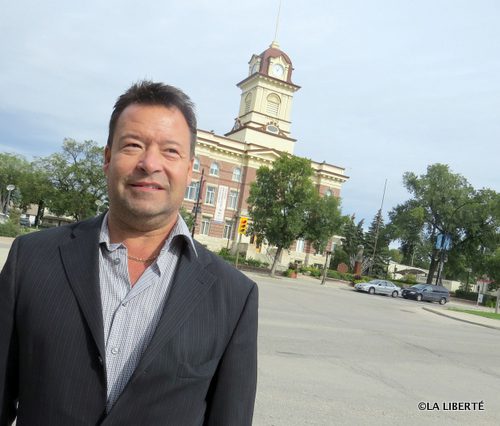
column 243, row 226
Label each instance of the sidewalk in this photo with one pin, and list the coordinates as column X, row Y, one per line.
column 463, row 316
column 5, row 243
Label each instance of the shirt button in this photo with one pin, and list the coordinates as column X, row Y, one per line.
column 116, row 261
column 115, row 351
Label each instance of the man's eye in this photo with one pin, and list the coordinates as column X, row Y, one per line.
column 132, row 145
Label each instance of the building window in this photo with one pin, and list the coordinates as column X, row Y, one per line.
column 237, row 174
column 205, row 226
column 196, row 164
column 228, row 229
column 192, row 191
column 214, row 169
column 299, row 247
column 232, row 202
column 273, row 105
column 210, row 195
column 248, row 102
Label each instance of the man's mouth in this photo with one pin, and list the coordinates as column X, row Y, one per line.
column 147, row 185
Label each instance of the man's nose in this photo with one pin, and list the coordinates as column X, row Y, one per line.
column 150, row 161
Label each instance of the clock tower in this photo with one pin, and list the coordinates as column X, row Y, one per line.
column 264, row 117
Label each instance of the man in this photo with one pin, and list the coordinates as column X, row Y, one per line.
column 124, row 319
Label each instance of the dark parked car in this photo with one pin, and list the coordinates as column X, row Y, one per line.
column 427, row 292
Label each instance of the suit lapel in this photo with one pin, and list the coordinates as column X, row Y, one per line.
column 80, row 257
column 189, row 286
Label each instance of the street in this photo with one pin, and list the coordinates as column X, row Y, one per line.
column 333, row 356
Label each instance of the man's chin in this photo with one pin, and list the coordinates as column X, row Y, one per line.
column 145, row 215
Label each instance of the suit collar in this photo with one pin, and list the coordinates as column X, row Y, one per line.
column 80, row 257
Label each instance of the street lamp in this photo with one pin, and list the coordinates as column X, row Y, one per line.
column 98, row 203
column 10, row 188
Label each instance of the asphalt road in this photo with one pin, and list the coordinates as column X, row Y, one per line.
column 332, row 356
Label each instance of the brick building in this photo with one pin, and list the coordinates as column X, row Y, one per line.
column 227, row 165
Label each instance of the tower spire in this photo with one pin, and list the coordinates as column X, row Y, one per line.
column 275, row 41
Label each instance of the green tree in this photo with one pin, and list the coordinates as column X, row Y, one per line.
column 13, row 167
column 77, row 178
column 279, row 202
column 187, row 216
column 377, row 246
column 323, row 221
column 396, row 255
column 493, row 270
column 445, row 203
column 36, row 188
column 353, row 237
column 406, row 225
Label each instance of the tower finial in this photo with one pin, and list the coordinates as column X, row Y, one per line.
column 275, row 41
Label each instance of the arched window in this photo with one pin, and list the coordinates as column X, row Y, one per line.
column 248, row 102
column 237, row 174
column 214, row 169
column 273, row 104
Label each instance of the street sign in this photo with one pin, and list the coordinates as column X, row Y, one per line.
column 443, row 242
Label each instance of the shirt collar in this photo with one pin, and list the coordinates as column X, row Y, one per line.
column 180, row 229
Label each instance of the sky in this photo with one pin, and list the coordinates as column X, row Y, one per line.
column 387, row 86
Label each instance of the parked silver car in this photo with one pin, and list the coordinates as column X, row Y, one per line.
column 379, row 287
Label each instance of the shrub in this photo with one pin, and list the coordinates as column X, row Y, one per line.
column 253, row 262
column 467, row 295
column 315, row 272
column 11, row 228
column 411, row 279
column 226, row 255
column 489, row 300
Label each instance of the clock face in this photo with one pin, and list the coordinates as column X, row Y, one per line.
column 277, row 70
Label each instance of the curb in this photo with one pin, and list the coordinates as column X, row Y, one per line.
column 461, row 319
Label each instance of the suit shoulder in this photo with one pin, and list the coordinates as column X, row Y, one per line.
column 222, row 269
column 55, row 235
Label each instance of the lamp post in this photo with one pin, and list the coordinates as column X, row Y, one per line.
column 469, row 270
column 98, row 203
column 10, row 188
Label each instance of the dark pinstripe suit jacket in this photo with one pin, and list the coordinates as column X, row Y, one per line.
column 199, row 369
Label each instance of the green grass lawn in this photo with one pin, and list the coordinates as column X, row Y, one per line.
column 491, row 315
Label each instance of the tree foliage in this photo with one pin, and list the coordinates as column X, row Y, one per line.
column 445, row 203
column 353, row 237
column 13, row 169
column 279, row 201
column 377, row 246
column 77, row 179
column 323, row 221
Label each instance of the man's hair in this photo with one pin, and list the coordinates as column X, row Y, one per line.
column 150, row 93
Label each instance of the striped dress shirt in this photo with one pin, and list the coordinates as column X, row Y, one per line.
column 131, row 314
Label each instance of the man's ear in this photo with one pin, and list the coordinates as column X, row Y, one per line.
column 107, row 159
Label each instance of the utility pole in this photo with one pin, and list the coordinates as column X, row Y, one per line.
column 377, row 228
column 197, row 205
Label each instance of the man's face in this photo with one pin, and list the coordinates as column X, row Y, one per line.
column 148, row 165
